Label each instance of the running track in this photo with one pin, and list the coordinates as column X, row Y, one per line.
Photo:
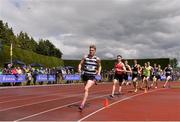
column 60, row 103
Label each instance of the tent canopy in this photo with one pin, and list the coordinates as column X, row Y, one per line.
column 15, row 62
column 37, row 65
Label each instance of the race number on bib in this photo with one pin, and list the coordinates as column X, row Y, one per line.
column 90, row 67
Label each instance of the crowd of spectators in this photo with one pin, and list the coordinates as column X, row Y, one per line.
column 31, row 73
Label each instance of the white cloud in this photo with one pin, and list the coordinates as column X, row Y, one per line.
column 109, row 55
column 132, row 28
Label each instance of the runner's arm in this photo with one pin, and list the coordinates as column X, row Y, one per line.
column 80, row 64
column 99, row 67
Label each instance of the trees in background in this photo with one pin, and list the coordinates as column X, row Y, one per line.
column 24, row 41
column 174, row 62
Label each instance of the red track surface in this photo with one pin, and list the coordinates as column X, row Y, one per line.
column 60, row 103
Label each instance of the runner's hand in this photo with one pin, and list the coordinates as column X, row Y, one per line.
column 99, row 74
column 79, row 70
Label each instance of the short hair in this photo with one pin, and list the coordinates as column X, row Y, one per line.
column 92, row 46
column 119, row 56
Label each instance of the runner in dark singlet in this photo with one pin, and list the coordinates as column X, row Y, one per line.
column 127, row 73
column 157, row 72
column 135, row 75
column 168, row 72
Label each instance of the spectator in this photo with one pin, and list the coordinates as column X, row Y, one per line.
column 34, row 75
column 1, row 71
column 14, row 72
column 19, row 71
column 29, row 77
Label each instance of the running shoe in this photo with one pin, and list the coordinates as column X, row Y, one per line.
column 135, row 90
column 112, row 96
column 81, row 107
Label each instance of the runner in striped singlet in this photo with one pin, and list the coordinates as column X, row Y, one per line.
column 91, row 66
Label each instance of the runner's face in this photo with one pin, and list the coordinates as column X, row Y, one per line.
column 119, row 58
column 135, row 62
column 92, row 51
column 126, row 62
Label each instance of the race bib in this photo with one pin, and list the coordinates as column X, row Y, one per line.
column 168, row 72
column 135, row 72
column 90, row 67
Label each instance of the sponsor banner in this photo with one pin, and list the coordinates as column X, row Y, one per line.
column 72, row 77
column 129, row 78
column 163, row 77
column 12, row 78
column 77, row 77
column 42, row 78
column 98, row 77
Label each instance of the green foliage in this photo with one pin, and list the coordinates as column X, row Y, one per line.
column 109, row 64
column 73, row 63
column 6, row 34
column 174, row 62
column 24, row 41
column 45, row 47
column 29, row 57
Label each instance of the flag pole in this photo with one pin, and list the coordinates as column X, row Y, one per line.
column 11, row 52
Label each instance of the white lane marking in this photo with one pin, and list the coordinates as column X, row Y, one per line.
column 15, row 87
column 48, row 85
column 15, row 107
column 56, row 108
column 58, row 92
column 33, row 87
column 115, row 103
column 47, row 101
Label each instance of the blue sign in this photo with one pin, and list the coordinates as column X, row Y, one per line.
column 12, row 78
column 72, row 77
column 163, row 77
column 51, row 78
column 41, row 78
column 129, row 78
column 78, row 77
column 98, row 77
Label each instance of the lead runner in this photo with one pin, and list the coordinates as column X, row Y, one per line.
column 91, row 66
